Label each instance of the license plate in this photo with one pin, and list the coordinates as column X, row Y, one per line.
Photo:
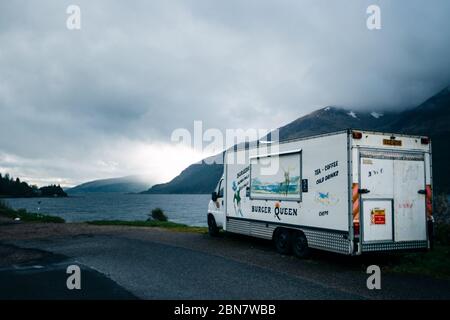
column 390, row 142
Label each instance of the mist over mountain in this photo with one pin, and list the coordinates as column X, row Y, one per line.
column 430, row 118
column 129, row 184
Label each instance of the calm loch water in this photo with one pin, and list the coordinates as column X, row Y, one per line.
column 187, row 209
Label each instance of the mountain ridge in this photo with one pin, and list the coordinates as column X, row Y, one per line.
column 429, row 118
column 127, row 184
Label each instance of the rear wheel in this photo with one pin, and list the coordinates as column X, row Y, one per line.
column 213, row 230
column 300, row 245
column 282, row 239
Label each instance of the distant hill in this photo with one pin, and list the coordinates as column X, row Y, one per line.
column 198, row 178
column 129, row 184
column 431, row 118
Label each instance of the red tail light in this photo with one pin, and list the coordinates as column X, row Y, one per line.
column 356, row 135
column 429, row 201
column 355, row 208
column 425, row 140
column 356, row 228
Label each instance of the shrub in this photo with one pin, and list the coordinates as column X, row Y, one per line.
column 441, row 216
column 4, row 205
column 441, row 209
column 158, row 214
column 442, row 234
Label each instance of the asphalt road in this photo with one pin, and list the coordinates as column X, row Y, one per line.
column 156, row 264
column 153, row 271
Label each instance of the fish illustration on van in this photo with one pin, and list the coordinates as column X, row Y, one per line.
column 325, row 198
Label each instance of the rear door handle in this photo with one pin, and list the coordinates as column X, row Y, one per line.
column 421, row 191
column 363, row 191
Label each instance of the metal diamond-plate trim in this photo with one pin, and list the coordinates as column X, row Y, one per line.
column 403, row 245
column 327, row 240
column 319, row 239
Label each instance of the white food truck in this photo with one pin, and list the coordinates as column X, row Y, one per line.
column 349, row 192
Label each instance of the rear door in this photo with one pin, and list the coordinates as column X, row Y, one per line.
column 410, row 213
column 392, row 207
column 377, row 181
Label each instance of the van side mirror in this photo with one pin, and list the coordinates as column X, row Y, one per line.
column 214, row 196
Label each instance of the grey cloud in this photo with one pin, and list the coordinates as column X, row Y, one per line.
column 141, row 69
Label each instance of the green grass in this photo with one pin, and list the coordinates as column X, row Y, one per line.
column 24, row 215
column 152, row 223
column 435, row 263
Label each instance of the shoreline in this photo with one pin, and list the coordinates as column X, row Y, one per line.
column 117, row 206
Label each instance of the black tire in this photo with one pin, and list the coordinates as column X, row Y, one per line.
column 213, row 230
column 282, row 239
column 300, row 245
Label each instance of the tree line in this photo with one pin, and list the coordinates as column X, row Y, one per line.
column 10, row 187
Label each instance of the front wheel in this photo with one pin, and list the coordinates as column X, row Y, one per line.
column 213, row 230
column 282, row 239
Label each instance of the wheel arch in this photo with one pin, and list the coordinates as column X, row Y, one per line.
column 290, row 229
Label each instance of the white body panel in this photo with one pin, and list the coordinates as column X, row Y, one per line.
column 410, row 221
column 377, row 175
column 216, row 208
column 325, row 205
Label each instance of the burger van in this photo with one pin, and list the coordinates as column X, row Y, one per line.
column 349, row 192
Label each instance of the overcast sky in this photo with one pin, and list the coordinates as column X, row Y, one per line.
column 99, row 102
